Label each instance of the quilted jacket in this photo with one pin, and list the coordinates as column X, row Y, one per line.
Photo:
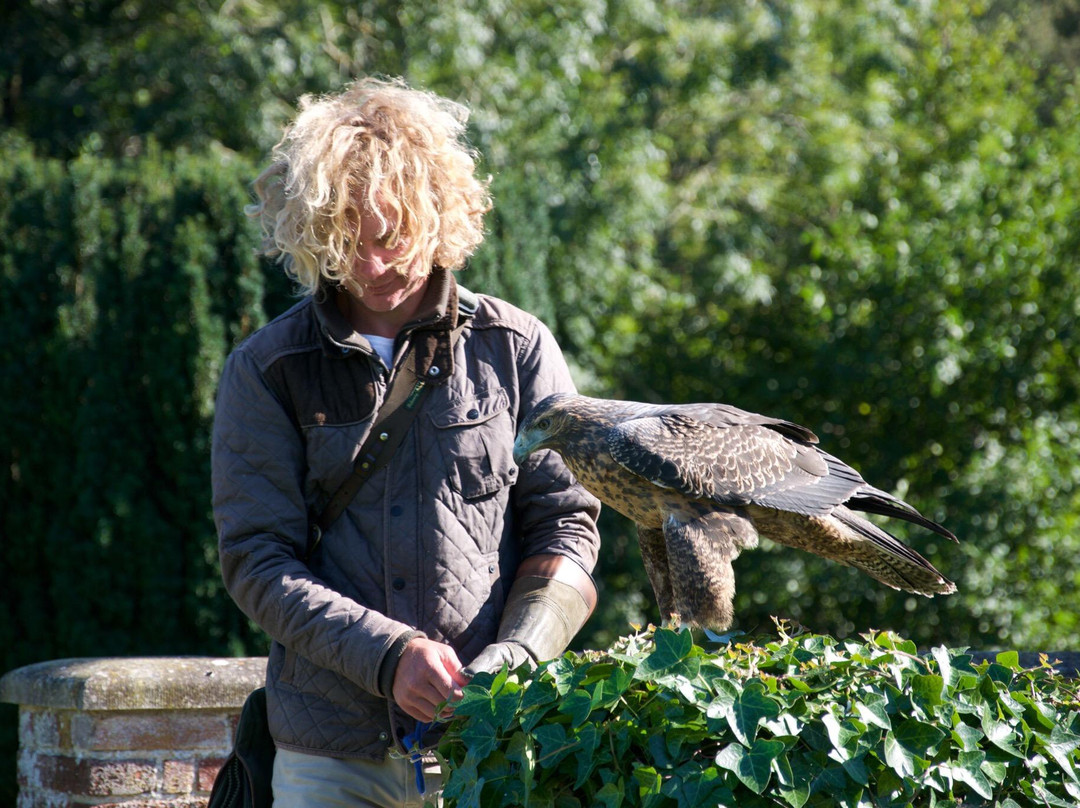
column 430, row 543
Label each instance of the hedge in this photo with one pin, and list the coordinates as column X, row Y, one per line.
column 122, row 286
column 785, row 721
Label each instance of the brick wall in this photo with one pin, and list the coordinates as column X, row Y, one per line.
column 137, row 733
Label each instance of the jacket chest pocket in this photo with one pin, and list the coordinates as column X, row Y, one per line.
column 476, row 434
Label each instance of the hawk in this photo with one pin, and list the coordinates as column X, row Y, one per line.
column 703, row 481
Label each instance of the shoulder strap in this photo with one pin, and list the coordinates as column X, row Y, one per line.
column 404, row 396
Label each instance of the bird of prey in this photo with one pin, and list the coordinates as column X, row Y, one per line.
column 703, row 481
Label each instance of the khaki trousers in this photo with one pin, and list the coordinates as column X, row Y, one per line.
column 314, row 781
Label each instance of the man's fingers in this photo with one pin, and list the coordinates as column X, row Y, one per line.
column 428, row 674
column 452, row 665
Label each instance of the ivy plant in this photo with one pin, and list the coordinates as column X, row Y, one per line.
column 793, row 720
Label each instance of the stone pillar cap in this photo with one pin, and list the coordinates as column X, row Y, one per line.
column 135, row 683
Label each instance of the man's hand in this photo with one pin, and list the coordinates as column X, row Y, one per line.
column 428, row 674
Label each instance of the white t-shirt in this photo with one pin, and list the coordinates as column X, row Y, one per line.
column 384, row 347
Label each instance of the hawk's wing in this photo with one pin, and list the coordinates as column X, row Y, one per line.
column 732, row 464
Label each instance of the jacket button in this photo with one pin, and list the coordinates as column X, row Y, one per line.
column 399, row 584
column 472, row 415
column 346, row 351
column 396, row 510
column 383, row 736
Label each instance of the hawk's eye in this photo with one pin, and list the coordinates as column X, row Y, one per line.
column 544, row 424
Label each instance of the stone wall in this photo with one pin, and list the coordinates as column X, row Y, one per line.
column 131, row 732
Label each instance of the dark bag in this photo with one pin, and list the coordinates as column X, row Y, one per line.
column 244, row 779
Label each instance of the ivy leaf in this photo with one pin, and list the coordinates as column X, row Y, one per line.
column 682, row 678
column 907, row 748
column 997, row 672
column 649, row 781
column 610, row 796
column 1010, row 659
column 676, row 745
column 470, row 795
column 534, row 702
column 968, row 770
column 521, row 750
column 918, row 737
column 800, row 685
column 944, row 661
column 506, row 704
column 1000, row 733
column 615, row 684
column 579, row 705
column 794, row 788
column 834, row 780
column 588, row 739
column 553, row 744
column 1036, row 713
column 752, row 766
column 872, row 710
column 693, row 787
column 926, row 693
column 967, row 737
column 463, row 776
column 670, row 648
column 480, row 736
column 1073, row 790
column 476, row 700
column 537, row 693
column 1061, row 745
column 844, row 736
column 726, row 691
column 784, row 725
column 995, row 770
column 1048, row 797
column 564, row 674
column 750, row 708
column 857, row 771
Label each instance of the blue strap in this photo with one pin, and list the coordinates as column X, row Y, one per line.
column 412, row 743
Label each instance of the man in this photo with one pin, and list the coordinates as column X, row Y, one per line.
column 448, row 560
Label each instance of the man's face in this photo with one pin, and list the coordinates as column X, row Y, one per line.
column 377, row 246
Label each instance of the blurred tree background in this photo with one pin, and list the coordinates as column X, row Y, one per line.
column 861, row 216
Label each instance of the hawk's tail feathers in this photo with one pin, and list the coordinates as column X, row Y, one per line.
column 873, row 500
column 891, row 561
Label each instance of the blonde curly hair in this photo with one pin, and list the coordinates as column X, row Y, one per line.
column 395, row 153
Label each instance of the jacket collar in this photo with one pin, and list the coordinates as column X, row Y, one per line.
column 428, row 333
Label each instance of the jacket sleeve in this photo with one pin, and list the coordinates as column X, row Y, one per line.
column 258, row 469
column 556, row 514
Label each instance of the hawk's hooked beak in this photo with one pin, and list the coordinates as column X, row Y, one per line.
column 527, row 442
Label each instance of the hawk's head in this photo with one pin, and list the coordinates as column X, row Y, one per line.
column 544, row 425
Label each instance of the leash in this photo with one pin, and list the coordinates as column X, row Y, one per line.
column 412, row 743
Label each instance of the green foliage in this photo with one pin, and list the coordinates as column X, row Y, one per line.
column 112, row 75
column 789, row 721
column 122, row 287
column 862, row 228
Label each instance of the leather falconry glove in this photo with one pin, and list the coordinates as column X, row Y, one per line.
column 550, row 600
